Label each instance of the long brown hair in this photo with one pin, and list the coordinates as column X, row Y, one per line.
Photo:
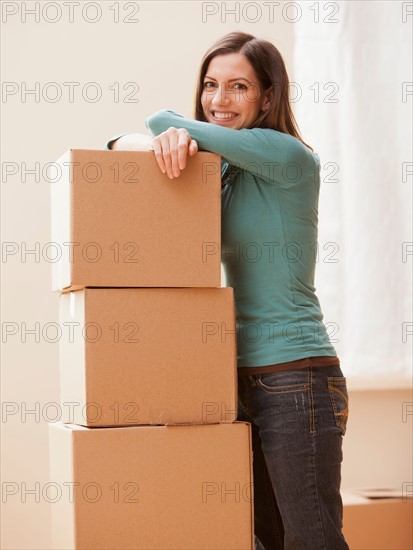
column 269, row 67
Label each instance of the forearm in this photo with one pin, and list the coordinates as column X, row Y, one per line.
column 251, row 149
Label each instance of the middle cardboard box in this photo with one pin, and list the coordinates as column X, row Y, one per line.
column 132, row 356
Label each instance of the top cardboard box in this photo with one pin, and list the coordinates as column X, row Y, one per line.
column 118, row 221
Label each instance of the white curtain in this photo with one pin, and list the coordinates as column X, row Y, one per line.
column 352, row 96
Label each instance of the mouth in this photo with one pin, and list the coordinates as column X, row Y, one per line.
column 223, row 116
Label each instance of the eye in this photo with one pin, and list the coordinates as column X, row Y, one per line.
column 208, row 82
column 242, row 86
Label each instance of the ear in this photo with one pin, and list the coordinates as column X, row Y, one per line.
column 267, row 99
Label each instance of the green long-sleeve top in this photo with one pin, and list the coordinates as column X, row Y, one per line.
column 269, row 237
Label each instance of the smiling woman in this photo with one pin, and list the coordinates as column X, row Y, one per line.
column 286, row 362
column 233, row 102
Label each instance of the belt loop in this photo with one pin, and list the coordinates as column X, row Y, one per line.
column 252, row 379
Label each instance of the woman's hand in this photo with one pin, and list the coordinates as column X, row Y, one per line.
column 171, row 149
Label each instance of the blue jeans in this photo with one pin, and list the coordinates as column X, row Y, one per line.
column 298, row 420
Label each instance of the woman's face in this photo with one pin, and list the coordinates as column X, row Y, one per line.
column 231, row 94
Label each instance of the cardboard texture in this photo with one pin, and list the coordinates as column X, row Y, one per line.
column 117, row 221
column 153, row 487
column 377, row 524
column 148, row 356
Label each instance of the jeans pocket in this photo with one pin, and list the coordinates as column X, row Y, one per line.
column 283, row 382
column 337, row 387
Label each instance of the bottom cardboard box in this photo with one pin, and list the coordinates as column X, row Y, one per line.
column 187, row 487
column 377, row 524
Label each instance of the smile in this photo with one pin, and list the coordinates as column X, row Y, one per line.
column 223, row 116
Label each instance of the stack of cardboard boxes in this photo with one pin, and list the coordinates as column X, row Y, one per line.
column 149, row 455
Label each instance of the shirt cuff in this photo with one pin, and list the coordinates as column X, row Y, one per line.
column 108, row 145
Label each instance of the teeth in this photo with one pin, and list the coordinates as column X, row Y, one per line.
column 224, row 115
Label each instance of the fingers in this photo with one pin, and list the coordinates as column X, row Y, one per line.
column 184, row 140
column 157, row 149
column 171, row 149
column 165, row 150
column 193, row 148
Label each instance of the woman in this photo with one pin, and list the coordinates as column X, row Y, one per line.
column 291, row 387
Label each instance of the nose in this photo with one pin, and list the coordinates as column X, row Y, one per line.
column 220, row 96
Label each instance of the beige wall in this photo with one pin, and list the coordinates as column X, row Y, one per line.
column 377, row 447
column 160, row 54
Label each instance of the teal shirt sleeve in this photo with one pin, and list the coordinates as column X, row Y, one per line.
column 108, row 145
column 267, row 153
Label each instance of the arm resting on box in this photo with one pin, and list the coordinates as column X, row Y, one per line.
column 250, row 149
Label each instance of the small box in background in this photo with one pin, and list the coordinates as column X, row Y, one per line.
column 374, row 523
